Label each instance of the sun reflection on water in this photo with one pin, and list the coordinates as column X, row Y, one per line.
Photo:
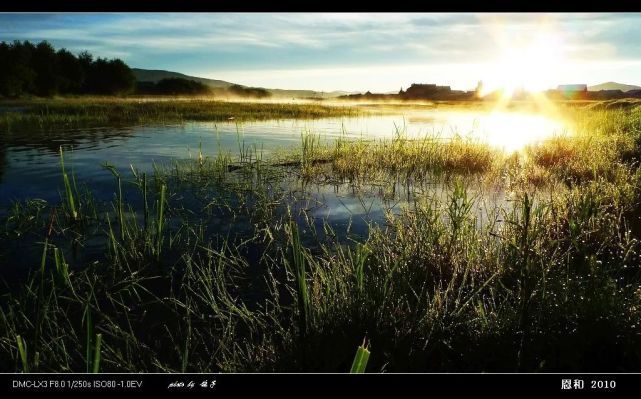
column 513, row 131
column 507, row 130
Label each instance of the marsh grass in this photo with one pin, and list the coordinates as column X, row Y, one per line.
column 548, row 282
column 70, row 196
column 55, row 113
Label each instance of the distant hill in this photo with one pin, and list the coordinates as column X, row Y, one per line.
column 155, row 75
column 613, row 86
column 306, row 93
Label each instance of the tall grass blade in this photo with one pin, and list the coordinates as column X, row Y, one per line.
column 160, row 219
column 69, row 196
column 298, row 256
column 361, row 358
column 96, row 355
column 90, row 335
column 22, row 349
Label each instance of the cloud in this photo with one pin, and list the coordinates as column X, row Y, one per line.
column 241, row 42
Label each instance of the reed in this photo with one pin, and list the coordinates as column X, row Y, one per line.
column 361, row 358
column 96, row 356
column 47, row 114
column 22, row 350
column 70, row 198
column 160, row 218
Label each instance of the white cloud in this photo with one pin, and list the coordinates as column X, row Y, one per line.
column 357, row 50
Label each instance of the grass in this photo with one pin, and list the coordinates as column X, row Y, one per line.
column 22, row 350
column 226, row 264
column 70, row 201
column 360, row 359
column 48, row 114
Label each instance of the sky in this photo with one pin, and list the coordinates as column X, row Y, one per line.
column 380, row 52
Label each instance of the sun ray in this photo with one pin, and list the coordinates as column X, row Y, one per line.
column 524, row 61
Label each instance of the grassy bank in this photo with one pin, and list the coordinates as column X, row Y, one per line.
column 220, row 264
column 103, row 111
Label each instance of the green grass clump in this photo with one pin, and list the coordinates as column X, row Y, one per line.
column 400, row 158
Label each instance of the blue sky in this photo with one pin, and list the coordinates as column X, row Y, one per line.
column 366, row 51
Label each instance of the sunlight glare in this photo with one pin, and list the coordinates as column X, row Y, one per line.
column 530, row 66
column 512, row 131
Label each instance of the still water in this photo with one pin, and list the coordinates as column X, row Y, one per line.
column 29, row 161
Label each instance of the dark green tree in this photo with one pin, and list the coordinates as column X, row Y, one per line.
column 173, row 86
column 45, row 64
column 71, row 74
column 109, row 77
column 39, row 69
column 120, row 77
column 17, row 76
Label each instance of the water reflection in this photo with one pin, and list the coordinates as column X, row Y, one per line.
column 513, row 131
column 29, row 164
column 508, row 131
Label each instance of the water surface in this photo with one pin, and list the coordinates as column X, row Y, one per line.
column 29, row 161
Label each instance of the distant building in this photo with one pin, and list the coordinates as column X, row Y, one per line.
column 580, row 87
column 573, row 91
column 566, row 92
column 425, row 91
column 419, row 91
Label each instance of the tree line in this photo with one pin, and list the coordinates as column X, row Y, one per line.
column 173, row 86
column 181, row 86
column 255, row 92
column 41, row 70
column 38, row 69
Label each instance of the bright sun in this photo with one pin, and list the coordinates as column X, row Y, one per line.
column 531, row 66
